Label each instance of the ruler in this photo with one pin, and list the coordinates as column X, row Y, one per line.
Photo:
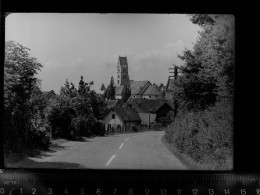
column 128, row 183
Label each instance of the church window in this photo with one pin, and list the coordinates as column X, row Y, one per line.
column 113, row 116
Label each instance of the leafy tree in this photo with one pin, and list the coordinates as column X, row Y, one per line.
column 77, row 111
column 22, row 99
column 202, row 128
column 208, row 72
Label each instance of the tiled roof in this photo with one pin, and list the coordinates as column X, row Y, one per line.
column 127, row 114
column 152, row 90
column 111, row 103
column 137, row 87
column 147, row 105
column 122, row 61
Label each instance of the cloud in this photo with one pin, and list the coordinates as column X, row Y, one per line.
column 76, row 62
column 153, row 65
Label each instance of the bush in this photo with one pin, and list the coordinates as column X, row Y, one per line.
column 60, row 118
column 39, row 139
column 205, row 136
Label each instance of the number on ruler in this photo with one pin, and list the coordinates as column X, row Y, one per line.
column 195, row 191
column 130, row 191
column 82, row 191
column 243, row 191
column 98, row 192
column 66, row 191
column 49, row 190
column 33, row 190
column 2, row 190
column 114, row 189
column 146, row 191
column 163, row 191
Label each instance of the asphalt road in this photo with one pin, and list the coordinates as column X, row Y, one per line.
column 142, row 150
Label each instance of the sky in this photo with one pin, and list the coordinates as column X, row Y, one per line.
column 69, row 45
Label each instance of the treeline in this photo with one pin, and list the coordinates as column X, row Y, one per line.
column 30, row 119
column 203, row 94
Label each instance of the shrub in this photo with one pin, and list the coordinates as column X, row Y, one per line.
column 205, row 136
column 60, row 118
column 39, row 139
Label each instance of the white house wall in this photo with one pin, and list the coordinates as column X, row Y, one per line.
column 145, row 118
column 114, row 122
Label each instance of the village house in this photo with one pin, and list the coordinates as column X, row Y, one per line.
column 113, row 103
column 150, row 110
column 152, row 92
column 121, row 119
column 139, row 89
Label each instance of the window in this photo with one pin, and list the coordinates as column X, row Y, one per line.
column 118, row 76
column 113, row 116
column 124, row 76
column 150, row 96
column 124, row 70
column 118, row 70
column 118, row 81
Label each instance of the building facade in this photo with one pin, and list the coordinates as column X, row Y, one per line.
column 122, row 71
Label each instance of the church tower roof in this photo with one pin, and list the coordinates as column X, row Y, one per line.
column 122, row 61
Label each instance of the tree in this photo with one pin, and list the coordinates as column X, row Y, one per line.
column 20, row 85
column 208, row 72
column 102, row 88
column 126, row 92
column 111, row 90
column 77, row 111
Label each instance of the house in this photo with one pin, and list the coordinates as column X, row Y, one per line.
column 113, row 103
column 152, row 92
column 121, row 119
column 139, row 89
column 150, row 110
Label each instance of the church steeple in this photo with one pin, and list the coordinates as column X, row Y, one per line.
column 122, row 71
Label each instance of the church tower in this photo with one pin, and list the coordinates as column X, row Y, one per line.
column 122, row 71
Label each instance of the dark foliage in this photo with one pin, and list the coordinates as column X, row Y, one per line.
column 203, row 94
column 77, row 112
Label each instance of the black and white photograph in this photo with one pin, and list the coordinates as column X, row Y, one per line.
column 119, row 91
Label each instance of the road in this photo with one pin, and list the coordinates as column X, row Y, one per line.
column 142, row 150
